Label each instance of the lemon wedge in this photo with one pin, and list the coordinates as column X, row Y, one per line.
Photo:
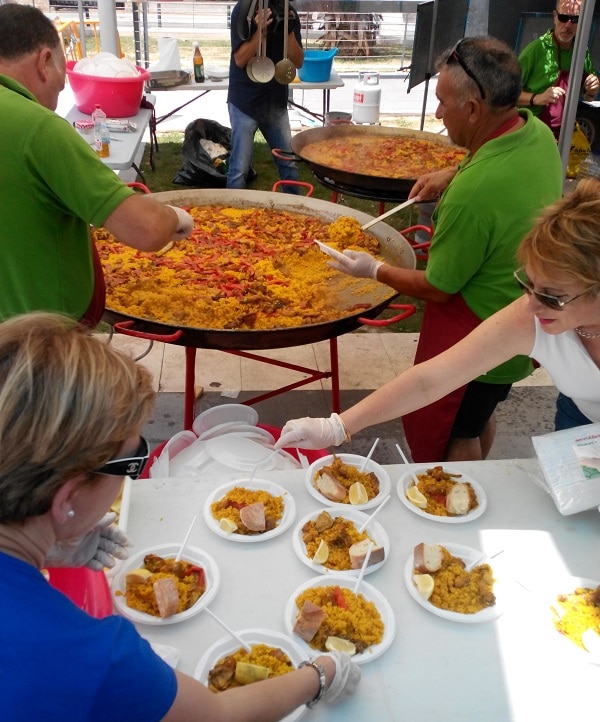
column 416, row 497
column 339, row 644
column 357, row 494
column 246, row 673
column 424, row 584
column 227, row 525
column 322, row 553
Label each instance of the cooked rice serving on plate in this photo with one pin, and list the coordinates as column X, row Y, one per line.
column 577, row 612
column 190, row 587
column 340, row 536
column 348, row 474
column 435, row 485
column 457, row 590
column 221, row 676
column 228, row 507
column 360, row 623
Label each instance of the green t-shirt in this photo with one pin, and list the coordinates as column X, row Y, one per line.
column 540, row 66
column 52, row 187
column 482, row 216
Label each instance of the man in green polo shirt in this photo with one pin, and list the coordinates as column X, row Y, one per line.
column 512, row 170
column 53, row 185
column 546, row 67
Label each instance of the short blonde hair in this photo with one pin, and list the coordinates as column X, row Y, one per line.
column 68, row 402
column 565, row 240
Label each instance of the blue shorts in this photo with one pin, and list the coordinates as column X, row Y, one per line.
column 568, row 414
column 477, row 406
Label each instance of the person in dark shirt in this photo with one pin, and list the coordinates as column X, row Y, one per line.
column 255, row 105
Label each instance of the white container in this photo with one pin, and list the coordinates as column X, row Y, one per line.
column 367, row 98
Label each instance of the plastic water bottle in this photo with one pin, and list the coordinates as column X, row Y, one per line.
column 101, row 134
column 198, row 61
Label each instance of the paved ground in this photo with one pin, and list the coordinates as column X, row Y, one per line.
column 527, row 412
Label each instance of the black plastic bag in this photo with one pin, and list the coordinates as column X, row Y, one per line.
column 199, row 169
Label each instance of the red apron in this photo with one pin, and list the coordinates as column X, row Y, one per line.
column 428, row 429
column 93, row 315
column 552, row 113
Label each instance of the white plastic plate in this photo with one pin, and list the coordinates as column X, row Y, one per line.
column 385, row 483
column 468, row 555
column 228, row 645
column 289, row 510
column 368, row 591
column 191, row 554
column 374, row 530
column 406, row 480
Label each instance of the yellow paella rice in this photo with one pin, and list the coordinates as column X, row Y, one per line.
column 435, row 485
column 348, row 474
column 243, row 269
column 457, row 590
column 349, row 616
column 340, row 536
column 577, row 612
column 228, row 507
column 222, row 675
column 385, row 155
column 189, row 581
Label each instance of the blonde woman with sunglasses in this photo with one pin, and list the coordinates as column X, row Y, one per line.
column 71, row 410
column 556, row 322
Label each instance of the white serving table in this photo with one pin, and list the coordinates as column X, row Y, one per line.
column 512, row 669
column 201, row 89
column 124, row 147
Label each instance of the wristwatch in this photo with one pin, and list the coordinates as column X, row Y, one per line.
column 322, row 682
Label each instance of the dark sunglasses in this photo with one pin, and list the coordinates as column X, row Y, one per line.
column 554, row 302
column 456, row 57
column 567, row 18
column 130, row 466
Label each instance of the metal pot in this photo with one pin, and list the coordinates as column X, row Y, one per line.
column 394, row 248
column 376, row 184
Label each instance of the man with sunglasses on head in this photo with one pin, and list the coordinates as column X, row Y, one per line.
column 546, row 66
column 511, row 171
column 556, row 321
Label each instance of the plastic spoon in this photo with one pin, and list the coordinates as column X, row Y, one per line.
column 365, row 564
column 285, row 70
column 228, row 629
column 368, row 456
column 186, row 539
column 415, row 478
column 262, row 462
column 472, row 565
column 366, row 523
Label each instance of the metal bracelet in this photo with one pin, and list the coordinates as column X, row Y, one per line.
column 322, row 682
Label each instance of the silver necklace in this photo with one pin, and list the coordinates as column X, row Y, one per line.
column 586, row 334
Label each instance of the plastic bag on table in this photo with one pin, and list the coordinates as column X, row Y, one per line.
column 570, row 461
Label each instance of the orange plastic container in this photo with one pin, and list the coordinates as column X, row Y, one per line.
column 118, row 97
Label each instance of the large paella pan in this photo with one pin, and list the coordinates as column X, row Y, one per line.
column 337, row 152
column 357, row 302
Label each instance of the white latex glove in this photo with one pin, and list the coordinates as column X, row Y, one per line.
column 97, row 549
column 357, row 263
column 347, row 677
column 185, row 224
column 310, row 433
